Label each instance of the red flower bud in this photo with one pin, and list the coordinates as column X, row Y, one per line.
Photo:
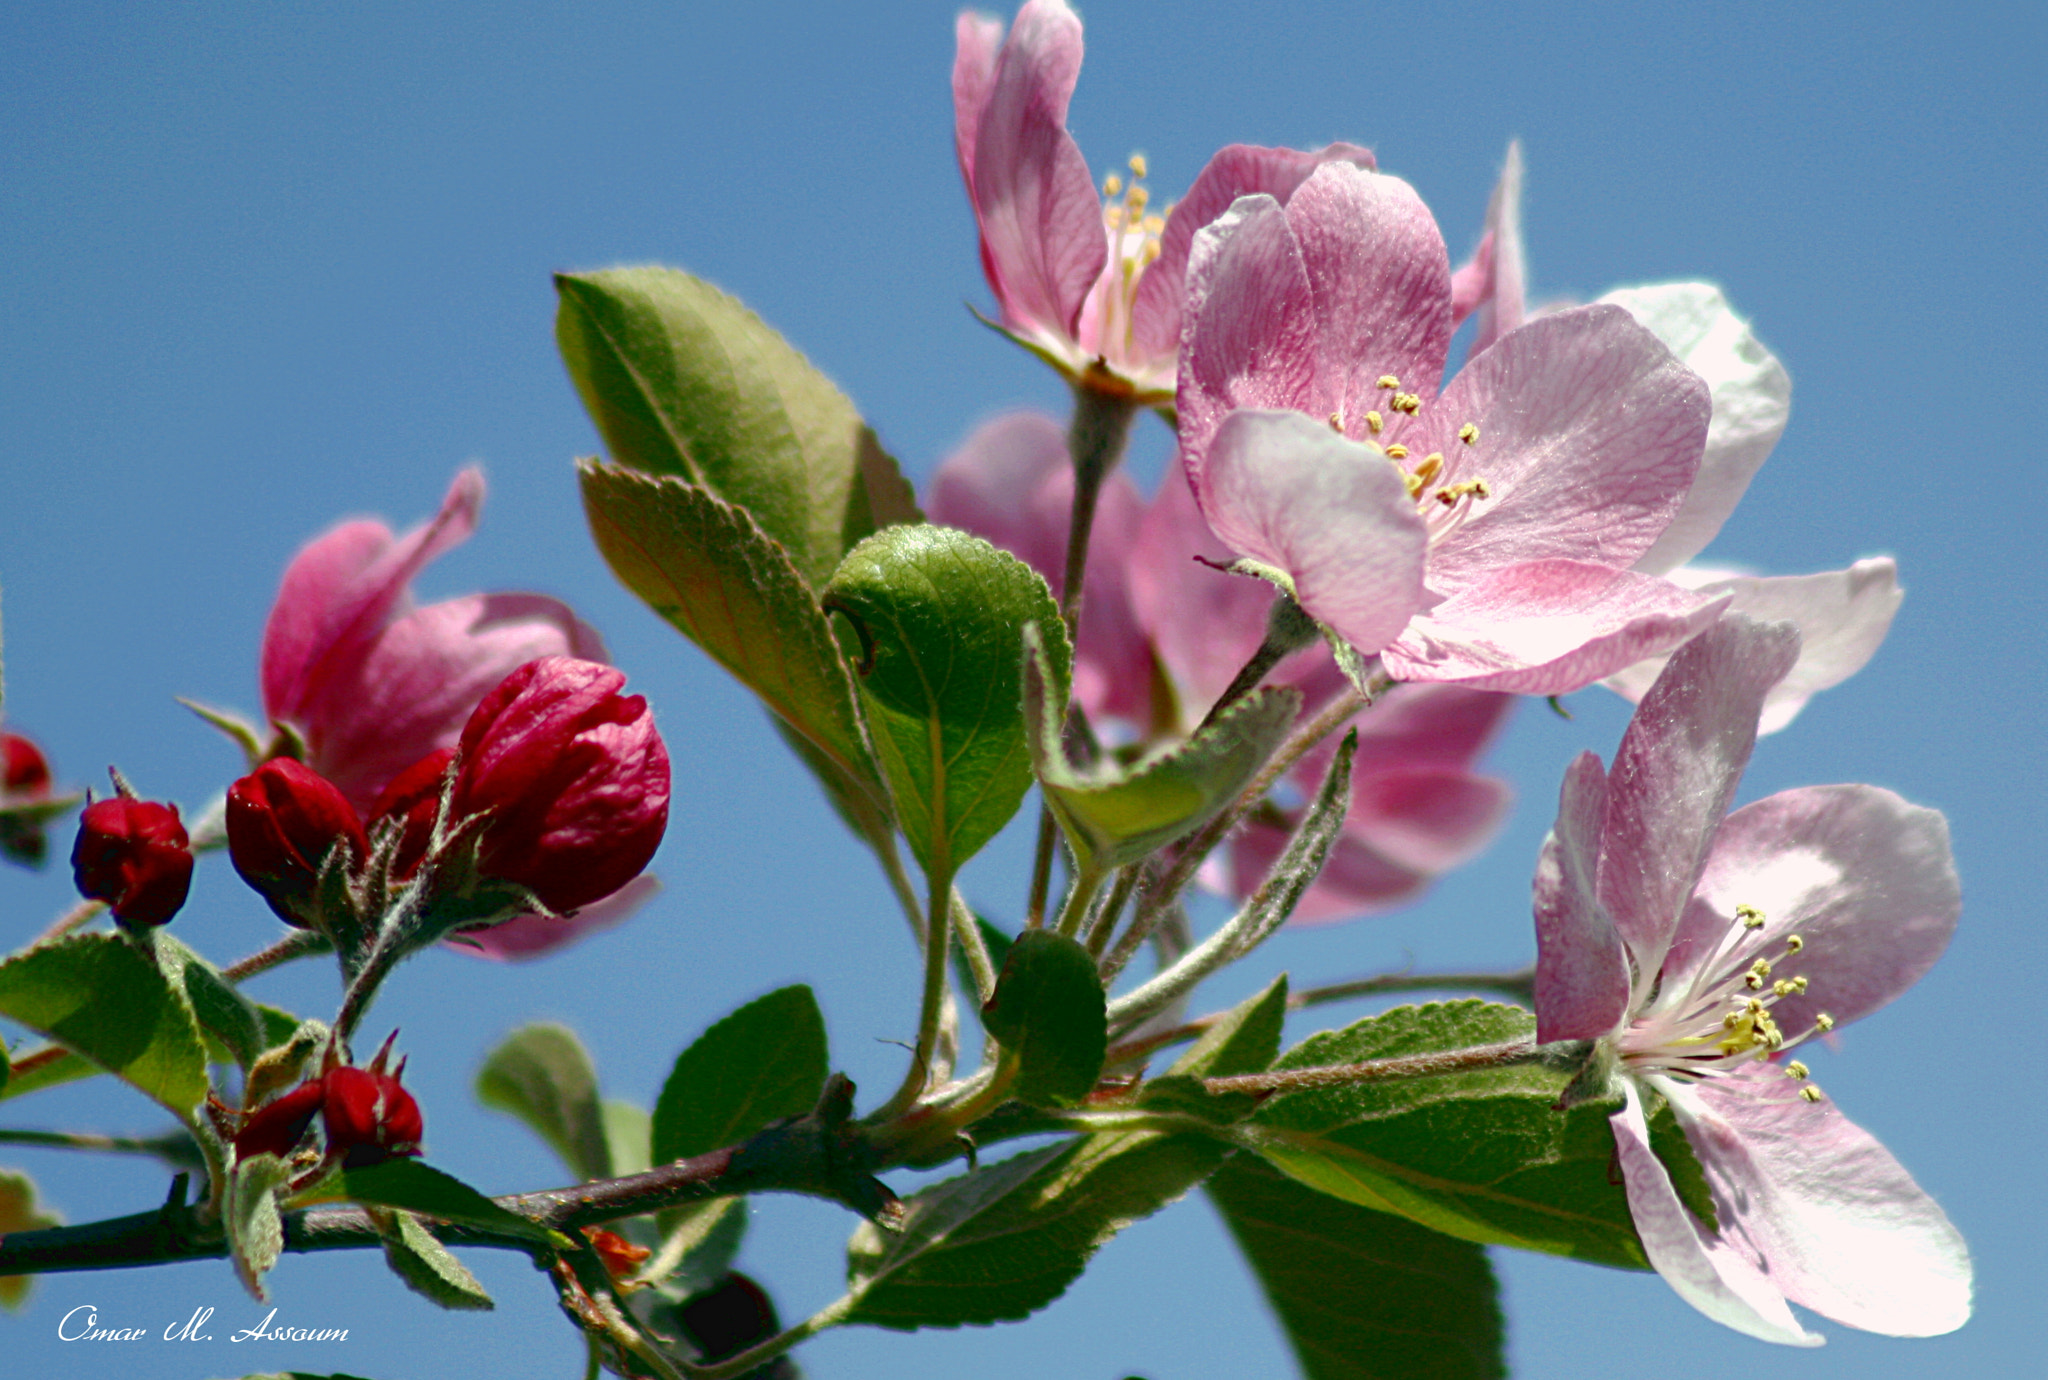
column 414, row 799
column 275, row 1128
column 27, row 771
column 134, row 855
column 572, row 779
column 24, row 781
column 368, row 1116
column 284, row 819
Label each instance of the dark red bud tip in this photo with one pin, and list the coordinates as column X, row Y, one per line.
column 283, row 821
column 134, row 855
column 26, row 771
column 369, row 1117
column 572, row 778
column 275, row 1128
column 413, row 801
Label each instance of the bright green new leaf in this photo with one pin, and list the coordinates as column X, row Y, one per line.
column 1244, row 1041
column 255, row 1230
column 1362, row 1295
column 707, row 568
column 1050, row 1012
column 764, row 1062
column 429, row 1269
column 221, row 1011
column 628, row 1136
column 683, row 380
column 542, row 1075
column 1115, row 815
column 1481, row 1154
column 100, row 995
column 19, row 1211
column 1002, row 1242
column 421, row 1188
column 940, row 617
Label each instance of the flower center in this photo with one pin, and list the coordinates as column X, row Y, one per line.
column 1721, row 1019
column 1444, row 506
column 1133, row 245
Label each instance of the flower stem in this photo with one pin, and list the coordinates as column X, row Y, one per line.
column 1380, row 1070
column 297, row 944
column 937, row 932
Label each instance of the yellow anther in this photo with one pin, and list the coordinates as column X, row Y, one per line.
column 1375, row 421
column 1136, row 199
column 1337, row 422
column 1750, row 918
column 1397, row 452
column 1810, row 1093
column 1464, row 488
column 1799, row 984
column 1824, row 1022
column 1731, row 1020
column 1781, row 988
column 1762, row 967
column 1389, row 381
column 1407, row 402
column 1415, row 482
column 1753, row 982
column 1137, row 165
column 1795, row 1069
column 1155, row 225
column 1112, row 184
column 1468, row 433
column 1428, row 470
column 1774, row 1038
column 1753, row 1006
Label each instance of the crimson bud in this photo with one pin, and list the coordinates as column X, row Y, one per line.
column 24, row 781
column 571, row 778
column 368, row 1116
column 413, row 799
column 134, row 855
column 284, row 820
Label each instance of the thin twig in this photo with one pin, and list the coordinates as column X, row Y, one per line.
column 1379, row 1070
column 297, row 944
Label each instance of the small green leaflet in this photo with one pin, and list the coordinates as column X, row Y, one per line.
column 764, row 1062
column 428, row 1268
column 421, row 1188
column 102, row 996
column 543, row 1075
column 1050, row 1013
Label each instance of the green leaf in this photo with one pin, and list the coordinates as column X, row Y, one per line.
column 764, row 1062
column 421, row 1188
column 710, row 571
column 1362, row 1295
column 542, row 1075
column 220, row 1010
column 1244, row 1041
column 993, row 936
column 19, row 1211
column 65, row 1068
column 1480, row 1154
column 683, row 380
column 698, row 1244
column 255, row 1230
column 428, row 1268
column 1668, row 1143
column 1002, row 1242
column 1050, row 1012
column 627, row 1136
column 100, row 995
column 1115, row 815
column 940, row 616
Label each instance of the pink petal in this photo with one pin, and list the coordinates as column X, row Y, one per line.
column 1675, row 774
column 1357, row 880
column 1752, row 397
column 1864, row 878
column 1582, row 973
column 1428, row 819
column 1042, row 237
column 1589, row 437
column 1471, row 281
column 1839, row 1223
column 1706, row 1271
column 532, row 936
column 1332, row 514
column 1547, row 627
column 341, row 588
column 1381, row 283
column 1235, row 171
column 413, row 686
column 1249, row 338
column 1500, row 301
column 976, row 37
column 991, row 485
column 1842, row 617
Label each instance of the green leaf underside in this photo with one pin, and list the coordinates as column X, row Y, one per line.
column 1668, row 1143
column 1049, row 1010
column 102, row 997
column 999, row 1244
column 421, row 1188
column 705, row 567
column 1362, row 1295
column 1480, row 1155
column 543, row 1075
column 764, row 1062
column 940, row 617
column 682, row 379
column 254, row 1227
column 221, row 1011
column 1113, row 816
column 429, row 1269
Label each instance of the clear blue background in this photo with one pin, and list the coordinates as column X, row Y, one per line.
column 262, row 266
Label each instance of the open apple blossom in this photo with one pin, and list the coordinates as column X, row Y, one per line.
column 1254, row 693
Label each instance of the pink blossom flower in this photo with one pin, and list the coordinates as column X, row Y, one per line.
column 373, row 683
column 1698, row 951
column 1093, row 288
column 1494, row 550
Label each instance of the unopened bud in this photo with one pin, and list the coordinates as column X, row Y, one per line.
column 134, row 855
column 412, row 803
column 24, row 782
column 284, row 822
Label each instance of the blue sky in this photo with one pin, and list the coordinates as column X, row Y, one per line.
column 261, row 267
